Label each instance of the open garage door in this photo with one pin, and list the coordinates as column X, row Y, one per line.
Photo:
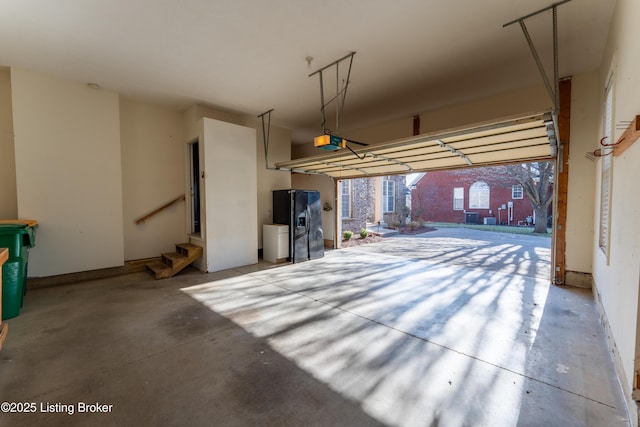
column 524, row 138
column 517, row 139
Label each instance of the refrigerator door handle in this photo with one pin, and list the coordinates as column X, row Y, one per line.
column 308, row 224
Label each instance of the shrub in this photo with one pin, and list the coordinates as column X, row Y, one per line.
column 363, row 233
column 347, row 235
column 413, row 225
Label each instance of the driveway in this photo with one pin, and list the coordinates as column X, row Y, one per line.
column 522, row 254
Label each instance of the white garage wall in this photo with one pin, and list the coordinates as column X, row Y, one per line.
column 68, row 172
column 585, row 122
column 526, row 100
column 384, row 132
column 8, row 196
column 269, row 180
column 617, row 281
column 152, row 143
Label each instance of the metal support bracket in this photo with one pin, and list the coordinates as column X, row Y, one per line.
column 464, row 157
column 553, row 89
column 266, row 131
column 341, row 94
column 346, row 167
column 390, row 160
column 303, row 171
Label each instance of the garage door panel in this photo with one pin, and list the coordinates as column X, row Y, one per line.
column 509, row 129
column 500, row 139
column 540, row 142
column 515, row 139
column 426, row 148
column 506, row 155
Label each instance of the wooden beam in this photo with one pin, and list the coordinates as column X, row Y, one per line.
column 143, row 218
column 630, row 135
column 4, row 328
column 562, row 185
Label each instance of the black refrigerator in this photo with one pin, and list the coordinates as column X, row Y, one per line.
column 301, row 210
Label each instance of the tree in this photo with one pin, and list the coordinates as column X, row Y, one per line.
column 535, row 179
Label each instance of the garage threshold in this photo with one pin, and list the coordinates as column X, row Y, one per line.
column 356, row 338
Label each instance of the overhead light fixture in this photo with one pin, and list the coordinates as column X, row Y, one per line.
column 95, row 86
column 329, row 142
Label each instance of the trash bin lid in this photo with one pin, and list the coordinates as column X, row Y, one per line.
column 8, row 228
column 12, row 227
column 28, row 222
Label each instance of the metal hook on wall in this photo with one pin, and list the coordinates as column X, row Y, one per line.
column 598, row 153
column 603, row 152
column 610, row 145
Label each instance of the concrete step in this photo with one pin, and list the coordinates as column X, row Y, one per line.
column 381, row 231
column 375, row 225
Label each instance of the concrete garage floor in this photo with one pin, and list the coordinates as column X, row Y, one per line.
column 422, row 331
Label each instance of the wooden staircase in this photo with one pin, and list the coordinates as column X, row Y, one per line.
column 174, row 262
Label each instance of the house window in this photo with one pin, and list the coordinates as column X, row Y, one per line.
column 479, row 195
column 388, row 196
column 606, row 173
column 345, row 198
column 516, row 192
column 458, row 198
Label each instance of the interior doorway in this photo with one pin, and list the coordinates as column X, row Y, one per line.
column 194, row 157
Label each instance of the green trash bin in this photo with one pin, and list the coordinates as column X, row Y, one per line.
column 18, row 237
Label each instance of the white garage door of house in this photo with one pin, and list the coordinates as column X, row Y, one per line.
column 524, row 138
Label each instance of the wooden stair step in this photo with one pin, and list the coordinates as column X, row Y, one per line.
column 160, row 269
column 4, row 330
column 188, row 249
column 172, row 263
column 173, row 258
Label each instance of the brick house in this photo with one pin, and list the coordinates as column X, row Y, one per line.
column 471, row 195
column 369, row 200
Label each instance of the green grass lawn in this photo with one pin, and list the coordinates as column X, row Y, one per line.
column 494, row 228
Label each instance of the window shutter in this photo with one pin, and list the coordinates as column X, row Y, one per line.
column 345, row 198
column 606, row 174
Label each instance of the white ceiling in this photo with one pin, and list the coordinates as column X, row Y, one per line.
column 248, row 56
